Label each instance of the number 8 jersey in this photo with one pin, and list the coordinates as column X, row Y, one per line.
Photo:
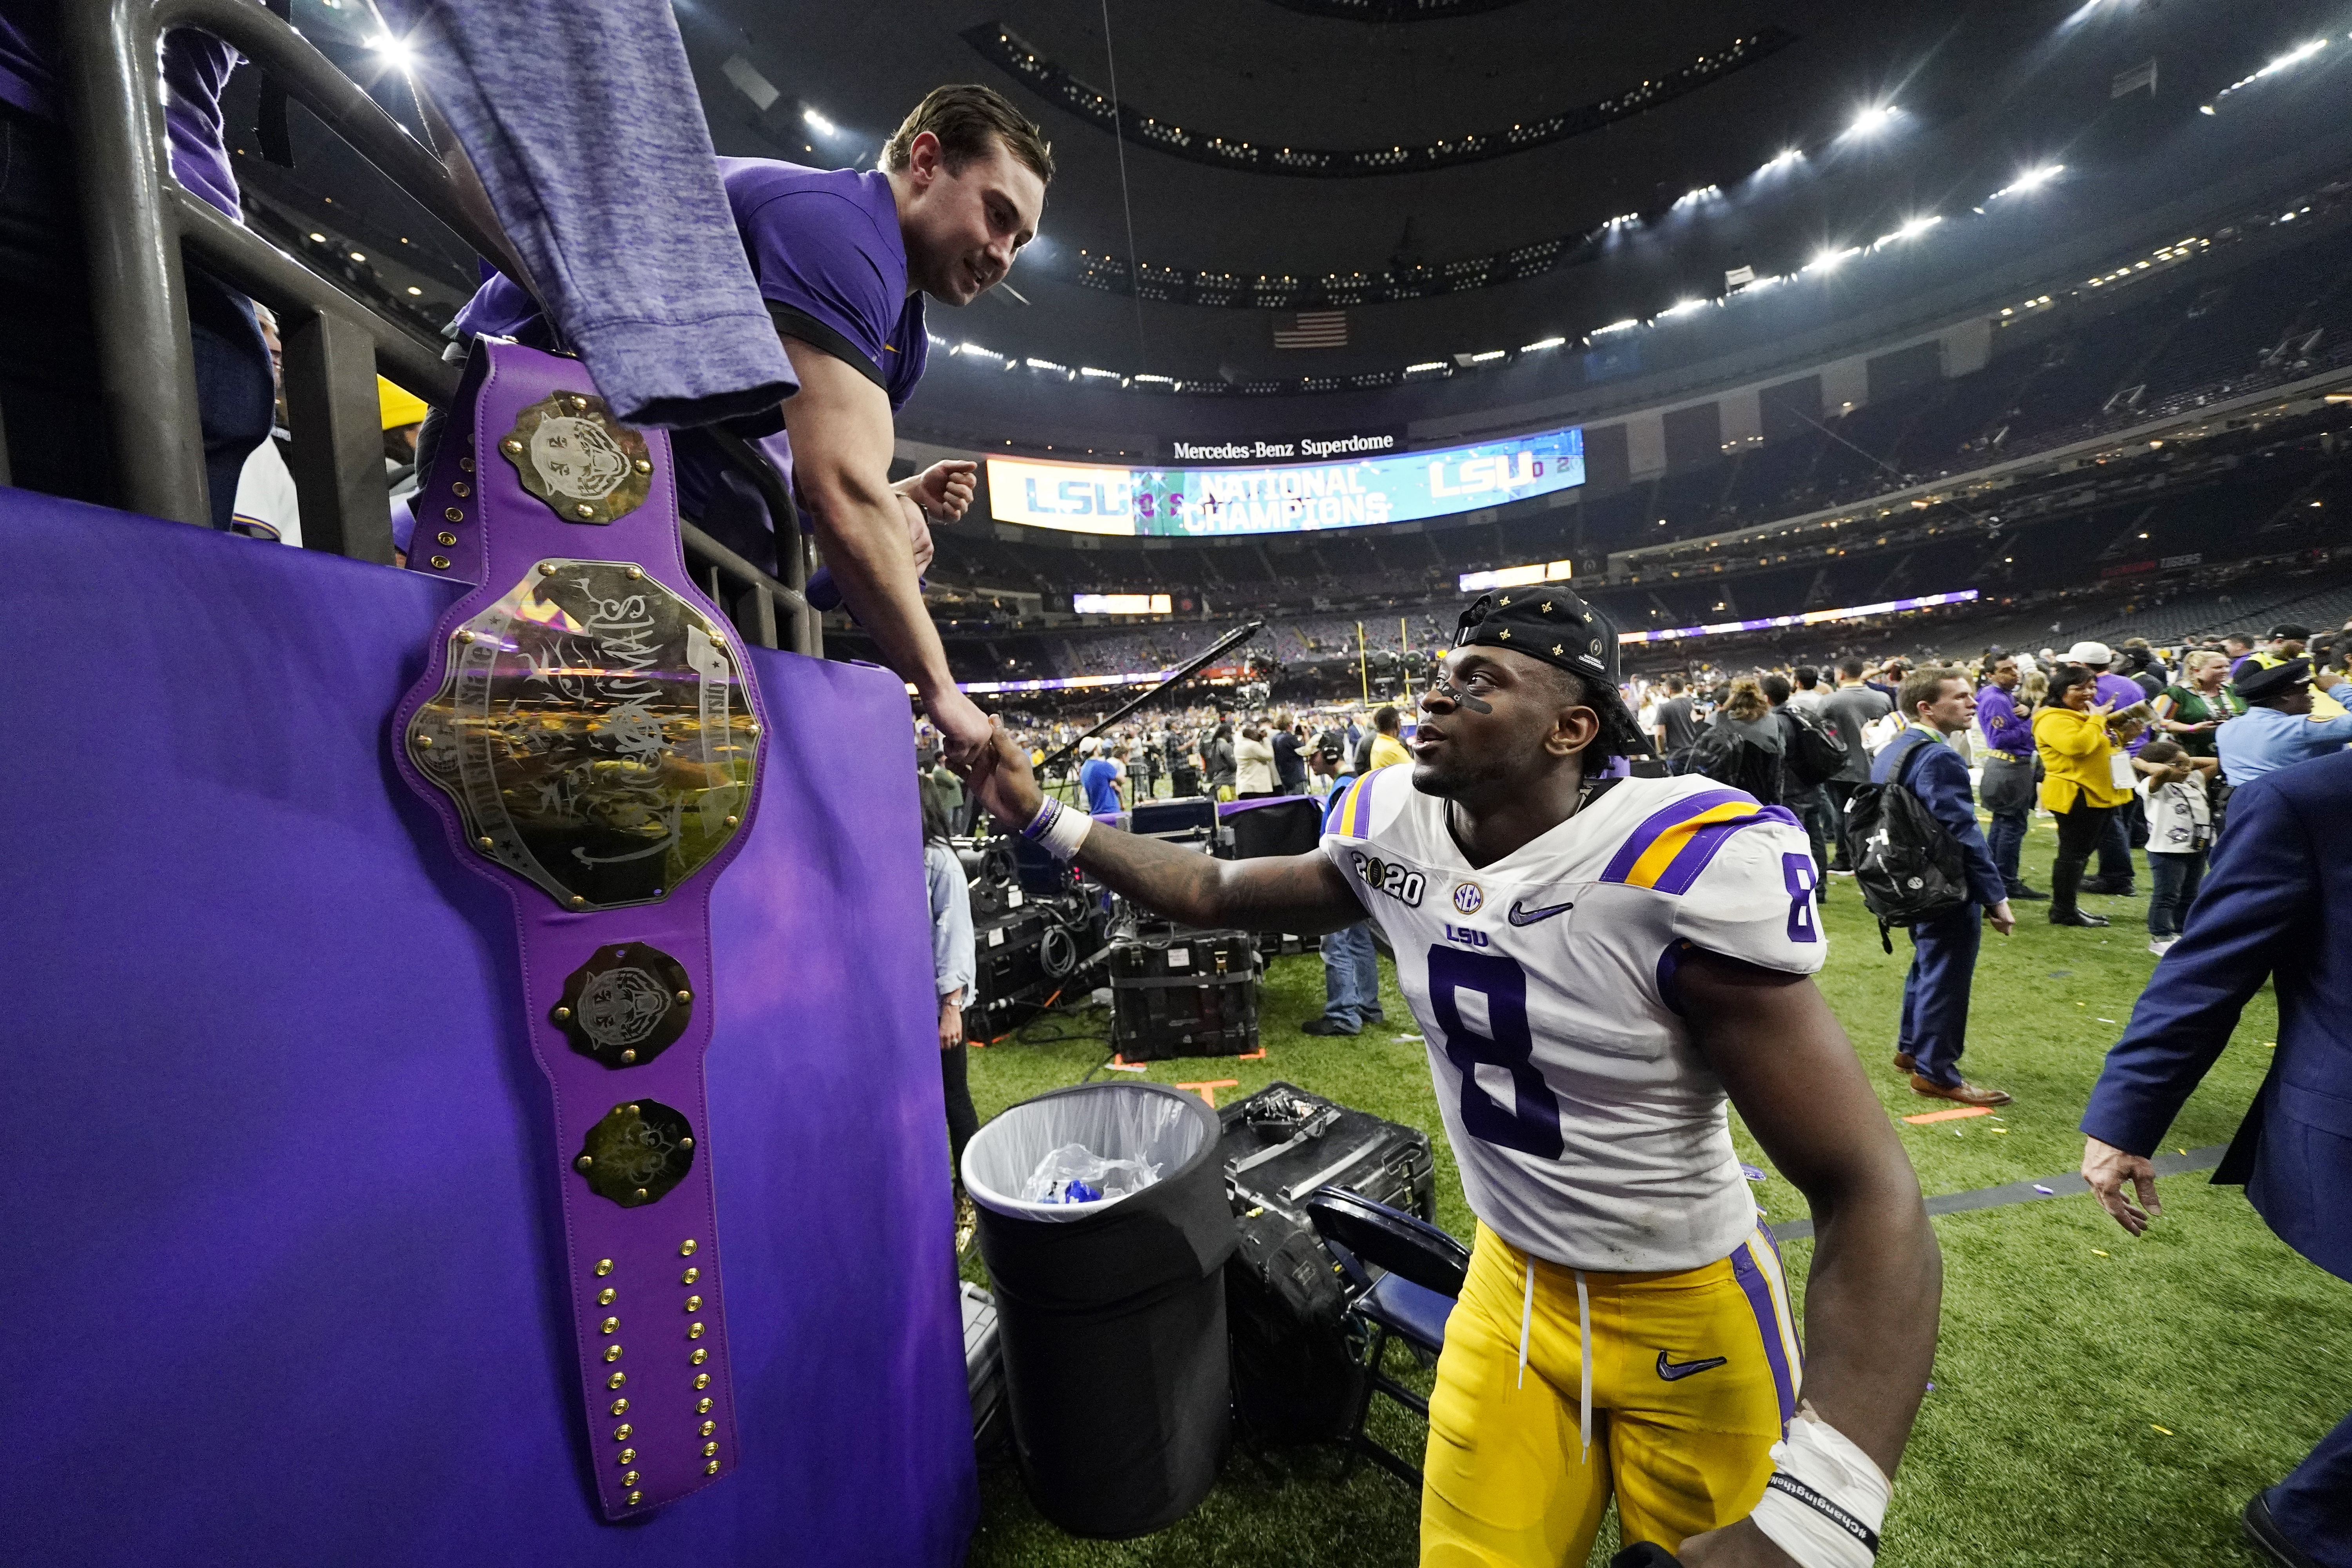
column 1589, row 1129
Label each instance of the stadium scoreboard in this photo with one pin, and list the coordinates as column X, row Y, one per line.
column 1168, row 500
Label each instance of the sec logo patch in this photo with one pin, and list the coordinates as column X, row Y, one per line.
column 1469, row 898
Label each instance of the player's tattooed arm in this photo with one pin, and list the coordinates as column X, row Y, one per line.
column 1876, row 1282
column 1302, row 893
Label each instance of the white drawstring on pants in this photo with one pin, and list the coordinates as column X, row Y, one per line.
column 1584, row 1347
column 1584, row 1337
column 1526, row 1318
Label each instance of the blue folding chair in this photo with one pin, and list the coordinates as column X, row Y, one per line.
column 1403, row 1275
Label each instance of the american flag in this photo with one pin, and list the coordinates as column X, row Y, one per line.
column 1312, row 329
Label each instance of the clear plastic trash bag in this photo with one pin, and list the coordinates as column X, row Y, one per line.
column 1075, row 1173
column 1118, row 1123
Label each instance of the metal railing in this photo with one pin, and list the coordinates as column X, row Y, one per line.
column 137, row 218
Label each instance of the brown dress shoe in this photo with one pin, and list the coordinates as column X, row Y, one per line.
column 1965, row 1092
column 1905, row 1061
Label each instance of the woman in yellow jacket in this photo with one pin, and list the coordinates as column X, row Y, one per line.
column 2070, row 731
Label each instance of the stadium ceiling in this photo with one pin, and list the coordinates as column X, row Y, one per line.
column 1650, row 161
column 1459, row 246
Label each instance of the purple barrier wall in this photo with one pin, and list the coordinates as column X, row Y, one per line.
column 277, row 1276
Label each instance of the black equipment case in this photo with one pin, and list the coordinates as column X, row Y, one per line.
column 1184, row 993
column 1296, row 1377
column 1281, row 1142
column 1020, row 953
column 1291, row 826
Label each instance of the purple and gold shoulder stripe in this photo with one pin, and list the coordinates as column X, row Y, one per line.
column 1351, row 813
column 1673, row 846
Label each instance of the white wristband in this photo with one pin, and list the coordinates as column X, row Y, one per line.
column 1826, row 1499
column 1059, row 830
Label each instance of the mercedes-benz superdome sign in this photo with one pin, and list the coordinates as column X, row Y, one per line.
column 1092, row 498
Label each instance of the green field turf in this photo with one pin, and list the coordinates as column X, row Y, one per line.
column 2065, row 1344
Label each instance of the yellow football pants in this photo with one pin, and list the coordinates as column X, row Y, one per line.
column 1695, row 1377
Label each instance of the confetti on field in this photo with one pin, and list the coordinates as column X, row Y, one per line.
column 2100, row 1253
column 2153, row 1427
column 1953, row 1115
column 1750, row 1171
column 2106, row 1020
column 2002, row 1131
column 1126, row 1067
column 2045, row 1192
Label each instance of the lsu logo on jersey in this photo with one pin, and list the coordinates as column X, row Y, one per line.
column 1402, row 883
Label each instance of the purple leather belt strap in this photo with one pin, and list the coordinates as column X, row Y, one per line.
column 590, row 737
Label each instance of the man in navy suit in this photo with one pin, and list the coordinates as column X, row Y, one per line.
column 2277, row 905
column 1938, row 702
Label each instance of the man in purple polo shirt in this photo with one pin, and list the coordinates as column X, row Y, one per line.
column 844, row 260
column 49, row 392
column 2007, row 786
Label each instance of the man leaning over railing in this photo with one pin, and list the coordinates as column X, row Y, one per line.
column 844, row 261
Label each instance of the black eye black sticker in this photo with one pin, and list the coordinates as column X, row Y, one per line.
column 1461, row 699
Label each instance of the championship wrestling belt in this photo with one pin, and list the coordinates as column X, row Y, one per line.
column 589, row 736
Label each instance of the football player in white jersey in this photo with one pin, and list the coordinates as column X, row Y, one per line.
column 1595, row 964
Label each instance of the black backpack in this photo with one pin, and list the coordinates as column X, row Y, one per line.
column 1906, row 863
column 1728, row 757
column 1816, row 754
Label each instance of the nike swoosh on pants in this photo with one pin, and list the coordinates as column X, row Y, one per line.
column 1674, row 1372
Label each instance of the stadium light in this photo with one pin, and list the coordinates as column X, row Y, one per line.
column 975, row 351
column 1089, row 370
column 1158, row 380
column 1783, row 159
column 1873, row 120
column 1827, row 259
column 1487, row 357
column 1427, row 364
column 2031, row 180
column 1693, row 198
column 1910, row 230
column 1682, row 307
column 1541, row 343
column 2294, row 57
column 819, row 123
column 398, row 53
column 1627, row 325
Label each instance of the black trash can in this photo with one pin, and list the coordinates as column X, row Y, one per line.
column 1111, row 1314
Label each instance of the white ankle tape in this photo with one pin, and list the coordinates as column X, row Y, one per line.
column 1826, row 1501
